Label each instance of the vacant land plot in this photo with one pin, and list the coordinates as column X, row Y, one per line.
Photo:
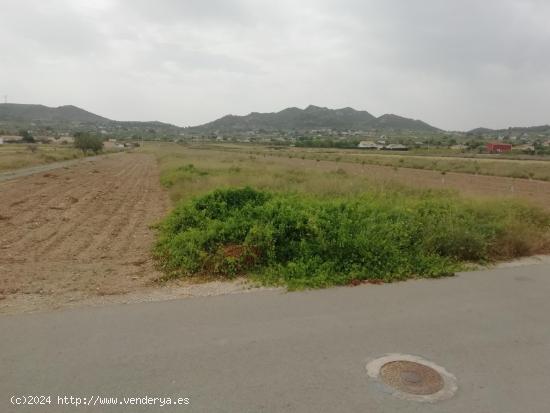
column 305, row 223
column 537, row 169
column 78, row 231
column 215, row 167
column 83, row 231
column 20, row 155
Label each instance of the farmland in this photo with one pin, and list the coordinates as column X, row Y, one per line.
column 78, row 232
column 17, row 156
column 83, row 232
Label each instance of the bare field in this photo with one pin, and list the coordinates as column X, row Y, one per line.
column 79, row 231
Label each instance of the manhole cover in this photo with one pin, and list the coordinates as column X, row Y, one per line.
column 412, row 378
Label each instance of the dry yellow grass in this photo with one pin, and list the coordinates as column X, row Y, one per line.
column 514, row 168
column 17, row 156
column 225, row 167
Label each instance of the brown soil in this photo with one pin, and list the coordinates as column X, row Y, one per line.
column 79, row 232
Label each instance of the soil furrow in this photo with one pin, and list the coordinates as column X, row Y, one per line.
column 81, row 232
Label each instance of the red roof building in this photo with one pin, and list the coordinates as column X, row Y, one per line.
column 499, row 147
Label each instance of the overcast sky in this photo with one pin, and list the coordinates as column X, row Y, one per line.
column 456, row 64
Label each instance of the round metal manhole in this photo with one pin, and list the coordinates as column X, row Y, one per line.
column 412, row 378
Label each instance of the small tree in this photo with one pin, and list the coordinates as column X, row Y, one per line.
column 86, row 142
column 26, row 135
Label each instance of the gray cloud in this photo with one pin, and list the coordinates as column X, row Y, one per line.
column 457, row 65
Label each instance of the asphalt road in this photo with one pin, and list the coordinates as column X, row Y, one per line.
column 293, row 352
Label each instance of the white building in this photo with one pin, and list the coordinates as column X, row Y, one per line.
column 368, row 145
column 396, row 147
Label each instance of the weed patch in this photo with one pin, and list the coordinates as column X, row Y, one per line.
column 182, row 173
column 305, row 241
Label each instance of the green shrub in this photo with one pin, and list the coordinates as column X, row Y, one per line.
column 305, row 242
column 86, row 142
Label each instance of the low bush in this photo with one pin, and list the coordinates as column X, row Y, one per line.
column 304, row 241
column 181, row 174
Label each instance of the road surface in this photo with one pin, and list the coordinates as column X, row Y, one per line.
column 270, row 351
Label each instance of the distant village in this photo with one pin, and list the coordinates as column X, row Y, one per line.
column 398, row 140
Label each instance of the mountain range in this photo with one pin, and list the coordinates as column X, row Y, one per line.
column 290, row 119
column 36, row 113
column 72, row 118
column 518, row 130
column 312, row 117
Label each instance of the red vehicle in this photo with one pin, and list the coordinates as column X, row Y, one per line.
column 499, row 147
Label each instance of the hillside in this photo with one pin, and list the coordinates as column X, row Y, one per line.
column 312, row 117
column 14, row 116
column 33, row 113
column 69, row 118
column 516, row 130
column 394, row 122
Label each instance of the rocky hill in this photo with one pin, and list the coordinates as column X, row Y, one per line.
column 34, row 113
column 312, row 117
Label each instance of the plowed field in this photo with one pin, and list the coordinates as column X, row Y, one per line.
column 80, row 230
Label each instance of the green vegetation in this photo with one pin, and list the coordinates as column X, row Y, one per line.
column 181, row 174
column 310, row 224
column 26, row 135
column 87, row 142
column 304, row 241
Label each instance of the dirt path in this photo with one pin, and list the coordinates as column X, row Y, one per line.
column 78, row 231
column 31, row 170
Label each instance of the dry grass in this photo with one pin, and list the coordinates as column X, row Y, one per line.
column 514, row 168
column 17, row 156
column 229, row 169
column 479, row 228
column 274, row 170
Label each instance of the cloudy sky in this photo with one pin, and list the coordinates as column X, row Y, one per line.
column 456, row 64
